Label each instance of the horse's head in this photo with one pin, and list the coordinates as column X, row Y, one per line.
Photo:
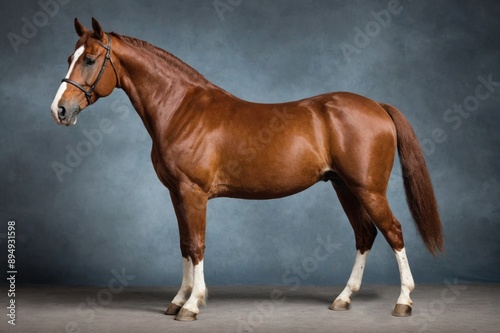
column 91, row 74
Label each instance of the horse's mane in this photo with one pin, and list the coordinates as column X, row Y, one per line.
column 164, row 55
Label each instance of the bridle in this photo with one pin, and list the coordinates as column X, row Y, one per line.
column 88, row 93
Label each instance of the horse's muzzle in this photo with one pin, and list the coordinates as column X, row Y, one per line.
column 64, row 115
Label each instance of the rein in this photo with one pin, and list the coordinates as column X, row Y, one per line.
column 88, row 93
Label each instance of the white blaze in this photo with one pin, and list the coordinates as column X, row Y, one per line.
column 62, row 88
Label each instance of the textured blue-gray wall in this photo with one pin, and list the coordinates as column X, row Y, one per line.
column 111, row 212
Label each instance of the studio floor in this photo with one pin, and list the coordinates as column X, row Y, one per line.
column 449, row 307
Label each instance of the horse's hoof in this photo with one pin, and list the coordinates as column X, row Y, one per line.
column 340, row 305
column 173, row 309
column 402, row 310
column 185, row 315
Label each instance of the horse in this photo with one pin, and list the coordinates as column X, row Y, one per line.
column 207, row 143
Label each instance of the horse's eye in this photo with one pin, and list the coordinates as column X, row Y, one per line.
column 89, row 61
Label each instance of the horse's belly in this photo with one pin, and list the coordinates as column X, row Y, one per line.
column 271, row 174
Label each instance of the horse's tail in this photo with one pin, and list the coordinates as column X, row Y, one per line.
column 418, row 187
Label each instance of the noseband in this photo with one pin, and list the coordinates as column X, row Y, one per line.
column 88, row 93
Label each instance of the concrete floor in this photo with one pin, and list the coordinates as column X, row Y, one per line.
column 437, row 308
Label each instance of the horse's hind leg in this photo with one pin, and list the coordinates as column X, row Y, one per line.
column 365, row 233
column 377, row 207
column 364, row 163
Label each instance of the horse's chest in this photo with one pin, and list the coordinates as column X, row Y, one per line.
column 162, row 169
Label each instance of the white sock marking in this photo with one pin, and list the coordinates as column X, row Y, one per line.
column 187, row 282
column 354, row 282
column 407, row 284
column 199, row 289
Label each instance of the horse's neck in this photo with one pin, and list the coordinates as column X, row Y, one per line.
column 156, row 87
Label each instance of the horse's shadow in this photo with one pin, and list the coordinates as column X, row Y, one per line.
column 156, row 301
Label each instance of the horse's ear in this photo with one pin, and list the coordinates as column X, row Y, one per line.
column 98, row 32
column 79, row 28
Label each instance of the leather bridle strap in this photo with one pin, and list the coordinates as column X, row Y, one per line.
column 88, row 93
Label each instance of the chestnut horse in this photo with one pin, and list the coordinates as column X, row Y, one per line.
column 208, row 143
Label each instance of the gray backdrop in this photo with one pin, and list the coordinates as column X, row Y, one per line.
column 111, row 213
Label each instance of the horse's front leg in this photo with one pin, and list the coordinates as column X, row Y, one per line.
column 187, row 285
column 190, row 205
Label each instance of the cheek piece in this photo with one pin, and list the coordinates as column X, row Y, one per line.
column 88, row 93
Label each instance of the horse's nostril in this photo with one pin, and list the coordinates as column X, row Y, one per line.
column 61, row 113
